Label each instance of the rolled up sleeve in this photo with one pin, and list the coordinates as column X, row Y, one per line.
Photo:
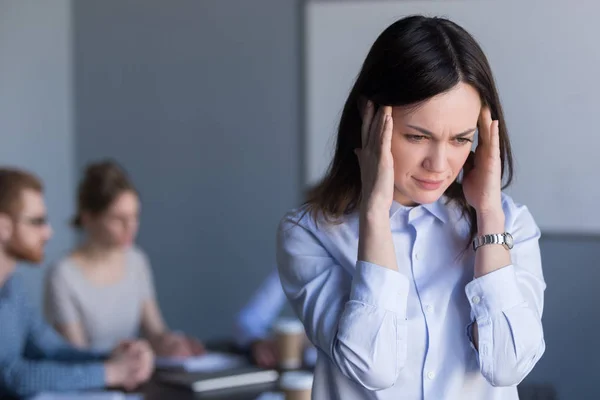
column 357, row 318
column 507, row 305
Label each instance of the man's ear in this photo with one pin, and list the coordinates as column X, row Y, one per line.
column 6, row 227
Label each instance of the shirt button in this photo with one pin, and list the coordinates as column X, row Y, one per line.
column 431, row 375
column 475, row 299
column 417, row 256
column 429, row 308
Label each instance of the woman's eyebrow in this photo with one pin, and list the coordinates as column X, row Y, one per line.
column 429, row 133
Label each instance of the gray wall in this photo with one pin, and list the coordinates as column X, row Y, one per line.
column 36, row 111
column 199, row 101
column 571, row 317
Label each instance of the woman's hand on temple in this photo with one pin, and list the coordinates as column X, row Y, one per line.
column 375, row 158
column 376, row 163
column 482, row 182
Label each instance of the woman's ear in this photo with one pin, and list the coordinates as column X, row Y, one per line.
column 6, row 227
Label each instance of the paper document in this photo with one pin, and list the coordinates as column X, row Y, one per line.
column 271, row 396
column 208, row 362
column 87, row 396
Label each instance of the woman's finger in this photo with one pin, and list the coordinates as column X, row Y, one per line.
column 374, row 138
column 484, row 125
column 387, row 129
column 495, row 137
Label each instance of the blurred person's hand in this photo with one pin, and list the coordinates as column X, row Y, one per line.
column 264, row 353
column 173, row 344
column 143, row 352
column 130, row 364
column 196, row 346
column 121, row 348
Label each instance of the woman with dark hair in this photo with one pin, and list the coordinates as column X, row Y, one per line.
column 414, row 275
column 103, row 292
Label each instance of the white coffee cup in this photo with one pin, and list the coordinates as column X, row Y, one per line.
column 296, row 385
column 290, row 339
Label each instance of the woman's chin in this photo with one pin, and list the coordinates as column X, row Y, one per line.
column 427, row 196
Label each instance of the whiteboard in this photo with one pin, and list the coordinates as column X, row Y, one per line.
column 545, row 55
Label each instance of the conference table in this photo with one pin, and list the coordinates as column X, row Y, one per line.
column 158, row 390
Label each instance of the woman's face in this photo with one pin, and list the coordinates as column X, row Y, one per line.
column 118, row 225
column 430, row 143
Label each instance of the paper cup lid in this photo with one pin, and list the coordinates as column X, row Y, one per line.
column 296, row 380
column 288, row 325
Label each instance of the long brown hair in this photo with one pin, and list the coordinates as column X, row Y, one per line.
column 102, row 183
column 412, row 60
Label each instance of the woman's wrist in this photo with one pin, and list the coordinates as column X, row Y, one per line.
column 491, row 222
column 113, row 374
column 375, row 244
column 374, row 223
column 373, row 213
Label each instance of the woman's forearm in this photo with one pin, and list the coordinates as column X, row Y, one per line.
column 489, row 258
column 375, row 244
column 153, row 325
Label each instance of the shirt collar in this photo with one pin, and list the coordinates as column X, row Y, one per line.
column 398, row 208
column 438, row 209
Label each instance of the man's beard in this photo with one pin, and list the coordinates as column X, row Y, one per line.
column 21, row 252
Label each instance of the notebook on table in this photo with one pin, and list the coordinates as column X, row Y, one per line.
column 208, row 362
column 221, row 380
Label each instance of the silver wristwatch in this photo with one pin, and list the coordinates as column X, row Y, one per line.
column 505, row 239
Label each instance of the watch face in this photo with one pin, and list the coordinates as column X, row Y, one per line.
column 508, row 239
